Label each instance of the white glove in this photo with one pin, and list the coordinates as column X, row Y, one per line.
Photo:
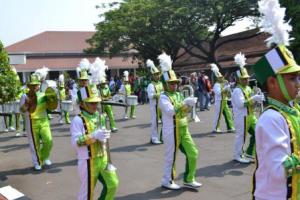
column 226, row 87
column 190, row 101
column 101, row 135
column 111, row 167
column 258, row 98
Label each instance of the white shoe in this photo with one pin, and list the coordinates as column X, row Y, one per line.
column 193, row 184
column 37, row 167
column 133, row 117
column 6, row 130
column 242, row 160
column 250, row 157
column 11, row 128
column 114, row 130
column 216, row 131
column 171, row 186
column 18, row 134
column 125, row 117
column 159, row 121
column 155, row 141
column 60, row 121
column 48, row 162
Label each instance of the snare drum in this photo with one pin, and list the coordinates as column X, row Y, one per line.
column 118, row 98
column 132, row 100
column 67, row 106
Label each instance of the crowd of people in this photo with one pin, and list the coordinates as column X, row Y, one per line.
column 274, row 140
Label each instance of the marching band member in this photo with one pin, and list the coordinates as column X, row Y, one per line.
column 277, row 131
column 82, row 81
column 175, row 130
column 100, row 67
column 82, row 73
column 243, row 108
column 154, row 89
column 126, row 90
column 222, row 91
column 62, row 97
column 88, row 140
column 33, row 104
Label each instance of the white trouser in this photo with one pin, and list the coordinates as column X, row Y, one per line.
column 154, row 131
column 169, row 141
column 240, row 126
column 31, row 142
column 83, row 176
column 217, row 114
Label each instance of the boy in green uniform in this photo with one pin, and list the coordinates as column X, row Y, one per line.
column 176, row 135
column 34, row 105
column 88, row 140
column 277, row 131
column 126, row 91
column 62, row 97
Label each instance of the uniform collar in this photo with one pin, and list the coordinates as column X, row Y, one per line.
column 89, row 115
column 282, row 106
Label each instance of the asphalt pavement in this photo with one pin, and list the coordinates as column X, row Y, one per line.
column 139, row 164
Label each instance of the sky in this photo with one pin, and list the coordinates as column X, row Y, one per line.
column 21, row 19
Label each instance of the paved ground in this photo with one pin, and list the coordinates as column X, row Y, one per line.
column 140, row 165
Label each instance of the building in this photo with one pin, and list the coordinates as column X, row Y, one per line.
column 251, row 43
column 62, row 51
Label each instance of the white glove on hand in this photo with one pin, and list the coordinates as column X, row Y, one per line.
column 258, row 98
column 226, row 88
column 190, row 101
column 101, row 135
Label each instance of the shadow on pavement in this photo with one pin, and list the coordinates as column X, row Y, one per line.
column 6, row 139
column 156, row 193
column 138, row 126
column 132, row 148
column 61, row 129
column 54, row 168
column 230, row 168
column 13, row 147
column 202, row 135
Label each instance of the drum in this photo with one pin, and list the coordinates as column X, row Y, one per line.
column 8, row 107
column 67, row 106
column 118, row 98
column 132, row 100
column 16, row 105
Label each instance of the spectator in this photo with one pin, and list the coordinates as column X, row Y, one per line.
column 194, row 83
column 203, row 93
column 112, row 85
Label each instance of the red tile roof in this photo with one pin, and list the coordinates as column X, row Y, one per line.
column 61, row 50
column 53, row 42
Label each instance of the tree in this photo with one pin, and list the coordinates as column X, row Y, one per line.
column 292, row 13
column 10, row 85
column 151, row 26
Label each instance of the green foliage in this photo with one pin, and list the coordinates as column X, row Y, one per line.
column 150, row 26
column 292, row 12
column 10, row 85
